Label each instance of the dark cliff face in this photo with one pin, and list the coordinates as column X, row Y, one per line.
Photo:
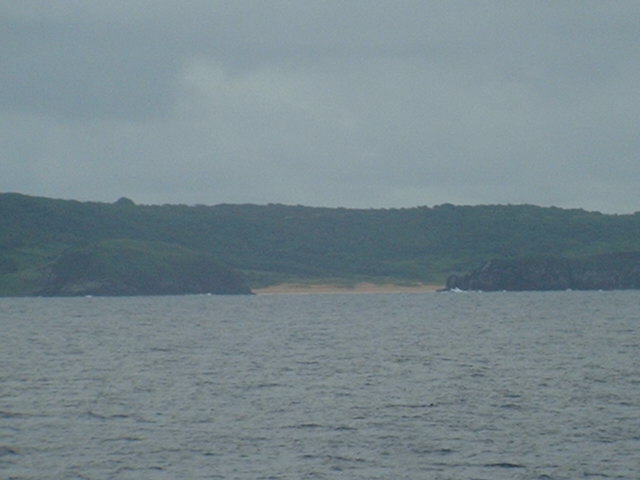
column 602, row 272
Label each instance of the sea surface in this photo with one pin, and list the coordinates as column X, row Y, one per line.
column 338, row 386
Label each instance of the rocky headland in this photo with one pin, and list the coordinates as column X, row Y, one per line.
column 613, row 271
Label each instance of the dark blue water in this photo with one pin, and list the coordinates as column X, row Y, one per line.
column 422, row 386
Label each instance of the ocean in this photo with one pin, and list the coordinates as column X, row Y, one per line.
column 535, row 385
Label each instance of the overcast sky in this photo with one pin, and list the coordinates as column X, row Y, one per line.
column 354, row 103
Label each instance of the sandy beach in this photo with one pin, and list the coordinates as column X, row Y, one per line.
column 363, row 287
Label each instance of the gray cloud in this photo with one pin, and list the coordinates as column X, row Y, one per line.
column 396, row 103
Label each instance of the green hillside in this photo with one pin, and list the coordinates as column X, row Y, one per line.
column 272, row 243
column 133, row 267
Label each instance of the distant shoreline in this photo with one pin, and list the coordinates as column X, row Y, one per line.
column 362, row 287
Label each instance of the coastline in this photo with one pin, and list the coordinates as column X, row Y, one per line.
column 358, row 288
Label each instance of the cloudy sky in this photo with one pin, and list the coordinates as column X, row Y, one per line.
column 354, row 103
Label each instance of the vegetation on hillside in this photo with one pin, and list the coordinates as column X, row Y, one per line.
column 133, row 267
column 271, row 243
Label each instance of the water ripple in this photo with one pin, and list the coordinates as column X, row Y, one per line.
column 508, row 386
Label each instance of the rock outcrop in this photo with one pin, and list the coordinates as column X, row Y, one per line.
column 602, row 272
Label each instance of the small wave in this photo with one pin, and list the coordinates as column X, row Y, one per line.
column 4, row 451
column 410, row 405
column 99, row 416
column 121, row 439
column 304, row 426
column 433, row 451
column 268, row 385
column 504, row 465
column 344, row 428
column 5, row 414
column 333, row 458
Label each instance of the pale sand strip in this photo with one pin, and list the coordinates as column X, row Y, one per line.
column 363, row 287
